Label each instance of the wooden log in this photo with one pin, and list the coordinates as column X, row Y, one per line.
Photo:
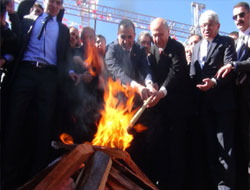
column 66, row 168
column 140, row 181
column 60, row 145
column 113, row 152
column 116, row 153
column 120, row 181
column 112, row 184
column 96, row 172
column 131, row 164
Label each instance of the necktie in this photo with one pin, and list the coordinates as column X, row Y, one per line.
column 128, row 64
column 45, row 21
column 204, row 51
column 241, row 50
column 240, row 47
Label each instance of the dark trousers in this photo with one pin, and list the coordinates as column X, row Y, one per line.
column 167, row 150
column 27, row 150
column 242, row 136
column 218, row 137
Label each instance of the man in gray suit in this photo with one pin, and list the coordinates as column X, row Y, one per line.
column 126, row 60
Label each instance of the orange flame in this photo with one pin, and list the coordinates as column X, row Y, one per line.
column 66, row 138
column 140, row 128
column 116, row 116
column 93, row 62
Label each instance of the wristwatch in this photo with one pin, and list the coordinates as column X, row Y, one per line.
column 232, row 63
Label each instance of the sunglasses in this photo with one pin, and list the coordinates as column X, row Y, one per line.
column 241, row 15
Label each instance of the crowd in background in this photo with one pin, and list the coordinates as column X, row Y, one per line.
column 198, row 118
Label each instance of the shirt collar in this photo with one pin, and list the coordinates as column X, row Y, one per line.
column 44, row 15
column 246, row 32
column 127, row 50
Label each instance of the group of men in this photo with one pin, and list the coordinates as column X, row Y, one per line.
column 219, row 68
column 203, row 98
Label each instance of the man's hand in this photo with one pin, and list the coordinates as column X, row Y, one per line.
column 223, row 71
column 10, row 7
column 208, row 84
column 2, row 62
column 75, row 77
column 86, row 77
column 144, row 92
column 152, row 88
column 2, row 20
column 157, row 96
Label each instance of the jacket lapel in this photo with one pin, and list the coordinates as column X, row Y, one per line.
column 60, row 38
column 211, row 49
column 196, row 51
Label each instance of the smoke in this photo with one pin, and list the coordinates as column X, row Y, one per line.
column 84, row 102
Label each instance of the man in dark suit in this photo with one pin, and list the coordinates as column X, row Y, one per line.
column 168, row 131
column 215, row 100
column 241, row 67
column 8, row 36
column 126, row 60
column 39, row 67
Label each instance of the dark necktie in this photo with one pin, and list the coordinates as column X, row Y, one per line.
column 241, row 77
column 241, row 48
column 45, row 21
column 128, row 64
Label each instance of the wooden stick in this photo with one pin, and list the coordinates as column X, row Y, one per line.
column 138, row 113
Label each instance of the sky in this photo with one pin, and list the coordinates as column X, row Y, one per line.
column 176, row 10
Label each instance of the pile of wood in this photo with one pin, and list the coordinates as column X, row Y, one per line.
column 92, row 168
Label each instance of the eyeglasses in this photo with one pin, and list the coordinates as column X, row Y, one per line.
column 241, row 15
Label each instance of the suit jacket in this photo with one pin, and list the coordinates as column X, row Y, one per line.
column 62, row 44
column 243, row 66
column 9, row 37
column 221, row 51
column 24, row 8
column 169, row 69
column 127, row 69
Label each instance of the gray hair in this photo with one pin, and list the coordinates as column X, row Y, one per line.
column 144, row 33
column 209, row 15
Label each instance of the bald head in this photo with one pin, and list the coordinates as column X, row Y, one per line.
column 160, row 32
column 88, row 35
column 157, row 22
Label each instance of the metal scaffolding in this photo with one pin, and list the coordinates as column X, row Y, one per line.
column 89, row 11
column 83, row 11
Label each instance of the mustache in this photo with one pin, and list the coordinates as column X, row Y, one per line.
column 240, row 22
